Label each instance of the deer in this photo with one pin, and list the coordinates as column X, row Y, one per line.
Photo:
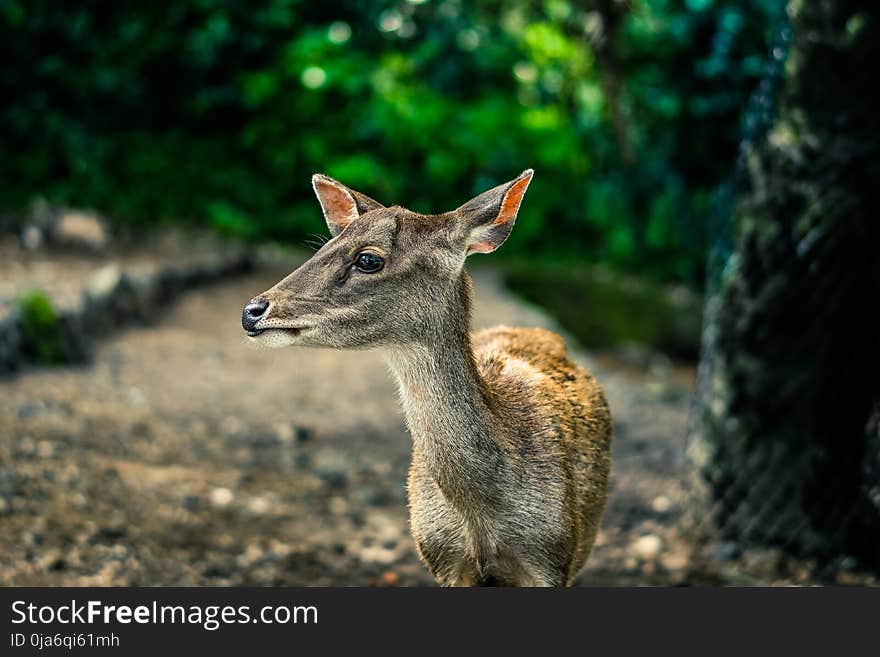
column 511, row 439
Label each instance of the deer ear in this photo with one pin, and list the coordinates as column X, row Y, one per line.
column 340, row 204
column 488, row 218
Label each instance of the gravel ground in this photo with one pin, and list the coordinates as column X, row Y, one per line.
column 182, row 456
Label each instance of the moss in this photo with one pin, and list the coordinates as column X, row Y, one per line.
column 41, row 330
column 603, row 310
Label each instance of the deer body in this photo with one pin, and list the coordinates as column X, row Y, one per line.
column 511, row 438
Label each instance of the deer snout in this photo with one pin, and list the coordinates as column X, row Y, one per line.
column 253, row 312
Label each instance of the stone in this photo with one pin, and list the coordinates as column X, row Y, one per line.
column 221, row 497
column 661, row 504
column 646, row 547
column 675, row 561
column 379, row 555
column 259, row 505
column 80, row 229
column 104, row 282
column 332, row 466
column 32, row 238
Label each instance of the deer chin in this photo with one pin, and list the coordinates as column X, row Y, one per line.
column 275, row 338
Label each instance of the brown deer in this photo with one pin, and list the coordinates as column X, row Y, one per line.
column 511, row 438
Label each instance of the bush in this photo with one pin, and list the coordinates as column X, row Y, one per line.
column 41, row 331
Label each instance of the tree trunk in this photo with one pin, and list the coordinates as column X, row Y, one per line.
column 787, row 438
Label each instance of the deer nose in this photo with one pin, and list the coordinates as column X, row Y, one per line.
column 253, row 313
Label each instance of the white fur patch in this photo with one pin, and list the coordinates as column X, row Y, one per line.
column 523, row 370
column 273, row 339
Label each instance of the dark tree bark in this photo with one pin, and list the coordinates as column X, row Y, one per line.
column 787, row 436
column 602, row 44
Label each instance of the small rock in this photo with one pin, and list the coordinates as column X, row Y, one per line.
column 661, row 504
column 380, row 555
column 646, row 547
column 284, row 432
column 674, row 561
column 80, row 229
column 338, row 505
column 103, row 282
column 49, row 560
column 332, row 466
column 136, row 396
column 45, row 449
column 32, row 238
column 389, row 578
column 259, row 505
column 252, row 554
column 221, row 497
column 26, row 445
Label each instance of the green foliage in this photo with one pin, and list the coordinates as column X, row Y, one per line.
column 218, row 111
column 40, row 328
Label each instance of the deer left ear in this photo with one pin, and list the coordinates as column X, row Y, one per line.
column 489, row 217
column 340, row 204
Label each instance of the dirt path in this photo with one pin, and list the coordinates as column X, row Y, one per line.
column 182, row 456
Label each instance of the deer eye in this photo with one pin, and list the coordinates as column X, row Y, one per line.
column 368, row 263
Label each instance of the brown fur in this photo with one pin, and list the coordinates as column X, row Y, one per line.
column 511, row 438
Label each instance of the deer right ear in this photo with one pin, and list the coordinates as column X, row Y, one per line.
column 488, row 219
column 340, row 204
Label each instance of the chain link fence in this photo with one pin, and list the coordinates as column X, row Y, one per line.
column 784, row 436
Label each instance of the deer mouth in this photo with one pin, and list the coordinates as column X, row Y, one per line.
column 294, row 331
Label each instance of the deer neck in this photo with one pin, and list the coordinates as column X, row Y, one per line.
column 448, row 407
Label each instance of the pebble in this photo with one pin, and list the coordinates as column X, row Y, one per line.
column 674, row 561
column 32, row 238
column 136, row 396
column 647, row 547
column 332, row 466
column 252, row 554
column 83, row 229
column 221, row 497
column 661, row 504
column 338, row 505
column 26, row 445
column 259, row 505
column 284, row 432
column 45, row 449
column 104, row 281
column 377, row 554
column 389, row 578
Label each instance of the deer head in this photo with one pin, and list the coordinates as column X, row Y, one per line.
column 386, row 275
